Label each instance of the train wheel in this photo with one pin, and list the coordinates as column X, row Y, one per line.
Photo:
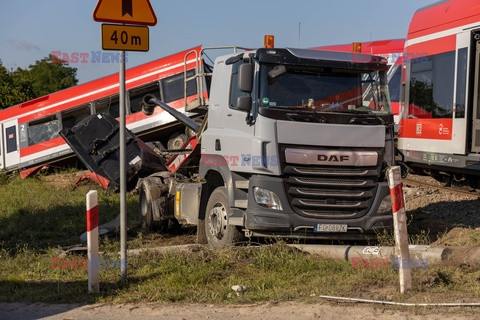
column 176, row 141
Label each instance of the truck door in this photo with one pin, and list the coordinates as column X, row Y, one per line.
column 10, row 143
column 236, row 142
column 476, row 95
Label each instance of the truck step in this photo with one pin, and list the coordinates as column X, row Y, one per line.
column 241, row 184
column 241, row 204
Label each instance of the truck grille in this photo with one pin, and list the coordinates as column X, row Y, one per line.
column 333, row 192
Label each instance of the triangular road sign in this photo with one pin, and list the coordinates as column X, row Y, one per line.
column 125, row 11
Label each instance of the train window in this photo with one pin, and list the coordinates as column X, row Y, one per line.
column 172, row 87
column 109, row 105
column 431, row 86
column 136, row 95
column 43, row 130
column 394, row 85
column 71, row 117
column 461, row 83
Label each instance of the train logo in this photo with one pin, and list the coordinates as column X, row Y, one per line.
column 418, row 129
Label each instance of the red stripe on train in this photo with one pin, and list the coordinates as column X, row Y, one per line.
column 438, row 129
column 428, row 48
column 41, row 146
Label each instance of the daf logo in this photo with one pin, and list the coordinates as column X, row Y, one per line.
column 332, row 158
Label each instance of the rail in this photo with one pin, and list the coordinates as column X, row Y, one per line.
column 473, row 194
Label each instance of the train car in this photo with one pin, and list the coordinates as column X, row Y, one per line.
column 29, row 131
column 439, row 130
column 391, row 50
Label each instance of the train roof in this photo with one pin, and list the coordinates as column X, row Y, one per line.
column 443, row 15
column 370, row 47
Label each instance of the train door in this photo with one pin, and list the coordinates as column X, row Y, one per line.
column 10, row 143
column 476, row 95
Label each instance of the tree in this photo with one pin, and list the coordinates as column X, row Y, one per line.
column 7, row 88
column 47, row 76
column 44, row 77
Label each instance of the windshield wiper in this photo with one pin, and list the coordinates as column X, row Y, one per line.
column 315, row 117
column 372, row 117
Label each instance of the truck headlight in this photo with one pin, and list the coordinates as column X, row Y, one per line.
column 267, row 198
column 385, row 206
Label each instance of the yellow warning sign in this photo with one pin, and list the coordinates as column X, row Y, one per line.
column 125, row 11
column 128, row 38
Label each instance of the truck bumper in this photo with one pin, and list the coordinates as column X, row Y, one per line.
column 263, row 221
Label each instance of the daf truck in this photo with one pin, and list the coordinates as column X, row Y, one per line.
column 281, row 142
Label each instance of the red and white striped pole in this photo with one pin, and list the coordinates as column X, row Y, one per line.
column 400, row 227
column 92, row 242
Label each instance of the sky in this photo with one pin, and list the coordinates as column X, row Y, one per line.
column 32, row 29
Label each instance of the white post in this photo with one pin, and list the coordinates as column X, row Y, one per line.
column 400, row 227
column 92, row 242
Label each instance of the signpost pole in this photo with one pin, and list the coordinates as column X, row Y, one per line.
column 132, row 38
column 123, row 175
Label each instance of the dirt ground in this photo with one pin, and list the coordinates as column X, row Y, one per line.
column 266, row 311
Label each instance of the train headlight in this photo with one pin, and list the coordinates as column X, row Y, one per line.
column 267, row 198
column 385, row 206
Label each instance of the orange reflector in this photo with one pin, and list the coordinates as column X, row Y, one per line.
column 268, row 41
column 357, row 47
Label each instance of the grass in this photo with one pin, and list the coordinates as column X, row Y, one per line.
column 37, row 217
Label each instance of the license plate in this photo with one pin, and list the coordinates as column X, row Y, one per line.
column 330, row 228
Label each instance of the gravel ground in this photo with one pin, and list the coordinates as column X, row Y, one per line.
column 437, row 211
column 262, row 311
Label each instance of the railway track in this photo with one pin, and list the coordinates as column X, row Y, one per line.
column 474, row 194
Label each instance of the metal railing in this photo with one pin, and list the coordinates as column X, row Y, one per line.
column 200, row 73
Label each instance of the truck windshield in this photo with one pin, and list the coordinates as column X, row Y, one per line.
column 324, row 89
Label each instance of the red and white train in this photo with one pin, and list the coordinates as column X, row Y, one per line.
column 29, row 131
column 439, row 128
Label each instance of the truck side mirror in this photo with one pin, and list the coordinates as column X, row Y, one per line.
column 245, row 77
column 244, row 103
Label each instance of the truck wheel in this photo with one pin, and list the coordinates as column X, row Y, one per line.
column 146, row 215
column 219, row 233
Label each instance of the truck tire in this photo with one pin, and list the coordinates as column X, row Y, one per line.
column 219, row 233
column 146, row 215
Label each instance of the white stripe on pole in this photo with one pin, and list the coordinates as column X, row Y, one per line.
column 92, row 242
column 400, row 227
